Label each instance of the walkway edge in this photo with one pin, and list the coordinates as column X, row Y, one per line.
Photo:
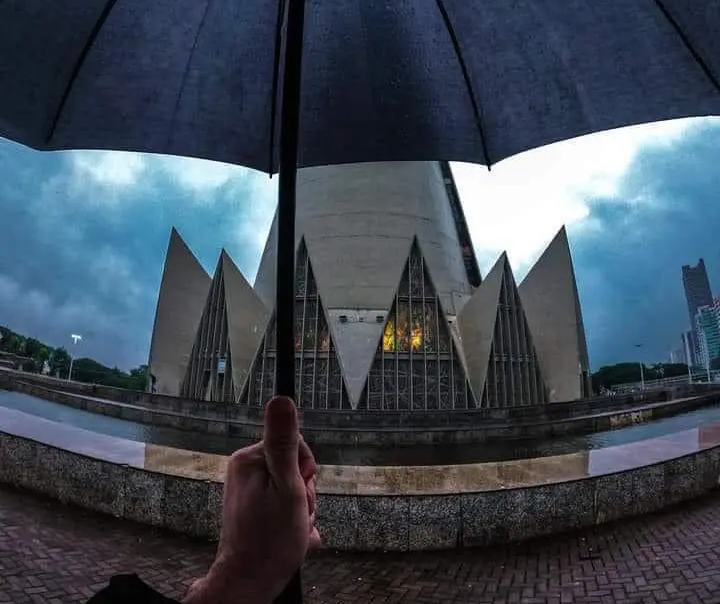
column 366, row 522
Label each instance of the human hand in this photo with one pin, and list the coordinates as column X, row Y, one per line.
column 268, row 515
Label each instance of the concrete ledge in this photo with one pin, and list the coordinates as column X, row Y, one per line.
column 364, row 420
column 364, row 521
column 485, row 431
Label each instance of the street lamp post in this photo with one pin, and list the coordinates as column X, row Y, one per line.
column 707, row 367
column 75, row 338
column 687, row 359
column 642, row 371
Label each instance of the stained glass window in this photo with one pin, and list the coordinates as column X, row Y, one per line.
column 513, row 376
column 318, row 378
column 415, row 363
column 206, row 377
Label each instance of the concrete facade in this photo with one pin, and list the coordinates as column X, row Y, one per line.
column 359, row 221
column 183, row 292
column 552, row 305
column 498, row 344
column 391, row 310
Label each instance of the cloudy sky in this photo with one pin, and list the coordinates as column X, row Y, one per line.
column 83, row 234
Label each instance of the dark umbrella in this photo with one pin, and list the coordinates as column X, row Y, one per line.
column 465, row 80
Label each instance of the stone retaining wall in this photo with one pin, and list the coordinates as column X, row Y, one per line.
column 365, row 522
column 204, row 422
column 370, row 420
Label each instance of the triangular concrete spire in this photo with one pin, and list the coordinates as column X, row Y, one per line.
column 228, row 335
column 476, row 324
column 183, row 291
column 247, row 318
column 551, row 302
column 265, row 279
column 210, row 345
column 501, row 355
column 358, row 274
column 357, row 332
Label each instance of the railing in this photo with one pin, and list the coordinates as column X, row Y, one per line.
column 699, row 376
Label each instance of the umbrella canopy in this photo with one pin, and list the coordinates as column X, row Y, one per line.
column 466, row 80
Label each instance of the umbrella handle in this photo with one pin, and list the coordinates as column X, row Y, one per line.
column 292, row 594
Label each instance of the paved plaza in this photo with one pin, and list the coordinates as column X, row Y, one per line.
column 53, row 554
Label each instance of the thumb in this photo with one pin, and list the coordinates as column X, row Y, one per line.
column 281, row 441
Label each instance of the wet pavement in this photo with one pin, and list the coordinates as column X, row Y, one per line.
column 354, row 455
column 55, row 554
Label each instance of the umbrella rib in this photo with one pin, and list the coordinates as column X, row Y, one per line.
column 688, row 44
column 78, row 66
column 186, row 71
column 476, row 105
column 275, row 82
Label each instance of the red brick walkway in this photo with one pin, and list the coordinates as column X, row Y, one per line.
column 54, row 554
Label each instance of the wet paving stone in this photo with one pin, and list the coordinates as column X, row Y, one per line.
column 56, row 554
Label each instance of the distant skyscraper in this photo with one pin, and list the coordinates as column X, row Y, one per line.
column 707, row 322
column 688, row 346
column 697, row 294
column 677, row 356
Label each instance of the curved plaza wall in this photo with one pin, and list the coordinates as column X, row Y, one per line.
column 369, row 508
column 377, row 428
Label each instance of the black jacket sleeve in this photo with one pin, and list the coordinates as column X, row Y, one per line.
column 129, row 589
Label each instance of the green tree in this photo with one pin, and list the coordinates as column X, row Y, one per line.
column 60, row 362
column 138, row 378
column 673, row 369
column 33, row 348
column 620, row 373
column 628, row 373
column 84, row 369
column 15, row 344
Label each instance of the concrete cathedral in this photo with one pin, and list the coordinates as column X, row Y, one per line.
column 391, row 310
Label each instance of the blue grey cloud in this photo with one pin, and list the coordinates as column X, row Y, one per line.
column 629, row 253
column 80, row 255
column 82, row 244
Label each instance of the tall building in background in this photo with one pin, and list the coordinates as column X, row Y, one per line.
column 697, row 294
column 391, row 312
column 687, row 345
column 677, row 356
column 707, row 327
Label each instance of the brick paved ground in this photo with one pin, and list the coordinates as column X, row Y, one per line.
column 52, row 554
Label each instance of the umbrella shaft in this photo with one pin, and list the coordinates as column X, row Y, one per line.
column 285, row 287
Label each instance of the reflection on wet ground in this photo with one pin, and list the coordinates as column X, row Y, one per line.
column 363, row 455
column 366, row 480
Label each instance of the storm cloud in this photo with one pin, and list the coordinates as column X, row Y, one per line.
column 629, row 252
column 83, row 237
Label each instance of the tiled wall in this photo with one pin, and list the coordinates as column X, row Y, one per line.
column 365, row 522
